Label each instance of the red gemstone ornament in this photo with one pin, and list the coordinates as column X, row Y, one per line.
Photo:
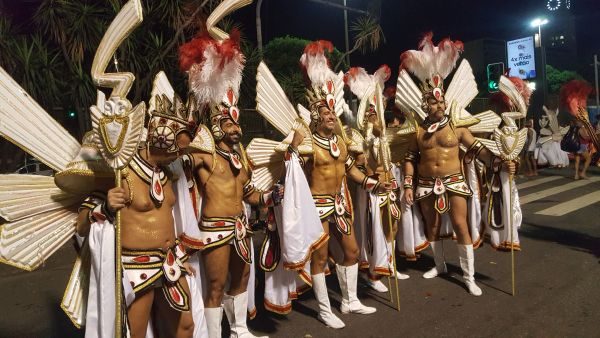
column 142, row 259
column 175, row 294
column 170, row 258
column 156, row 192
column 230, row 96
column 235, row 115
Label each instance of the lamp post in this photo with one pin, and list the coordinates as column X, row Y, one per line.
column 539, row 22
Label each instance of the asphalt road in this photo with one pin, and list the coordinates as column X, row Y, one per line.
column 557, row 284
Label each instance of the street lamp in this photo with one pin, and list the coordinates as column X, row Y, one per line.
column 539, row 22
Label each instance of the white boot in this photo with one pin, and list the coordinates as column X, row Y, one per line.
column 438, row 257
column 213, row 316
column 467, row 264
column 377, row 285
column 236, row 309
column 348, row 277
column 325, row 314
column 399, row 275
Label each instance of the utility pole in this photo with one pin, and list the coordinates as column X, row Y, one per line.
column 347, row 40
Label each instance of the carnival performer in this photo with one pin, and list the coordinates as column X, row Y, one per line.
column 411, row 231
column 214, row 69
column 153, row 280
column 154, row 259
column 551, row 133
column 434, row 153
column 573, row 96
column 326, row 168
column 374, row 231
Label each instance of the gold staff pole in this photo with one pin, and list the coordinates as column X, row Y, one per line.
column 385, row 155
column 117, row 127
column 508, row 143
column 512, row 242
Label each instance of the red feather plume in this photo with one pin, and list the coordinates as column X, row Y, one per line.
column 574, row 94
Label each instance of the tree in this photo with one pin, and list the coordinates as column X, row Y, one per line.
column 282, row 55
column 556, row 78
column 51, row 54
column 368, row 37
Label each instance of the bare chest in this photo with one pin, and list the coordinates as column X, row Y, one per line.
column 445, row 138
column 223, row 176
column 141, row 200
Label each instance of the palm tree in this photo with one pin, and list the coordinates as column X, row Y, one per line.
column 50, row 53
column 55, row 69
column 368, row 37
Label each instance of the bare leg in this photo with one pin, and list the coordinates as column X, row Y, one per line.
column 432, row 219
column 349, row 246
column 215, row 261
column 458, row 215
column 433, row 226
column 389, row 236
column 577, row 159
column 138, row 313
column 588, row 159
column 534, row 162
column 170, row 322
column 240, row 271
column 319, row 256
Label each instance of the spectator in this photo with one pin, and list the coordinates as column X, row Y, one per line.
column 583, row 152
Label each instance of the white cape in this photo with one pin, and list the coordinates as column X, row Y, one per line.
column 300, row 232
column 500, row 238
column 378, row 259
column 410, row 238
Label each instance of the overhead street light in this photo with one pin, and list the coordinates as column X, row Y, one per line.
column 539, row 22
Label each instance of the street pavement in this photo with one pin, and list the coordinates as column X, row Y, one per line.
column 557, row 283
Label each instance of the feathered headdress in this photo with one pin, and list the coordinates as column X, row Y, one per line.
column 574, row 94
column 365, row 87
column 432, row 64
column 214, row 71
column 319, row 77
column 503, row 102
column 359, row 81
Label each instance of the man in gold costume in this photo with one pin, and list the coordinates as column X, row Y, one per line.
column 380, row 223
column 153, row 258
column 224, row 180
column 326, row 170
column 434, row 154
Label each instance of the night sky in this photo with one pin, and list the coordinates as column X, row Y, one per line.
column 404, row 22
